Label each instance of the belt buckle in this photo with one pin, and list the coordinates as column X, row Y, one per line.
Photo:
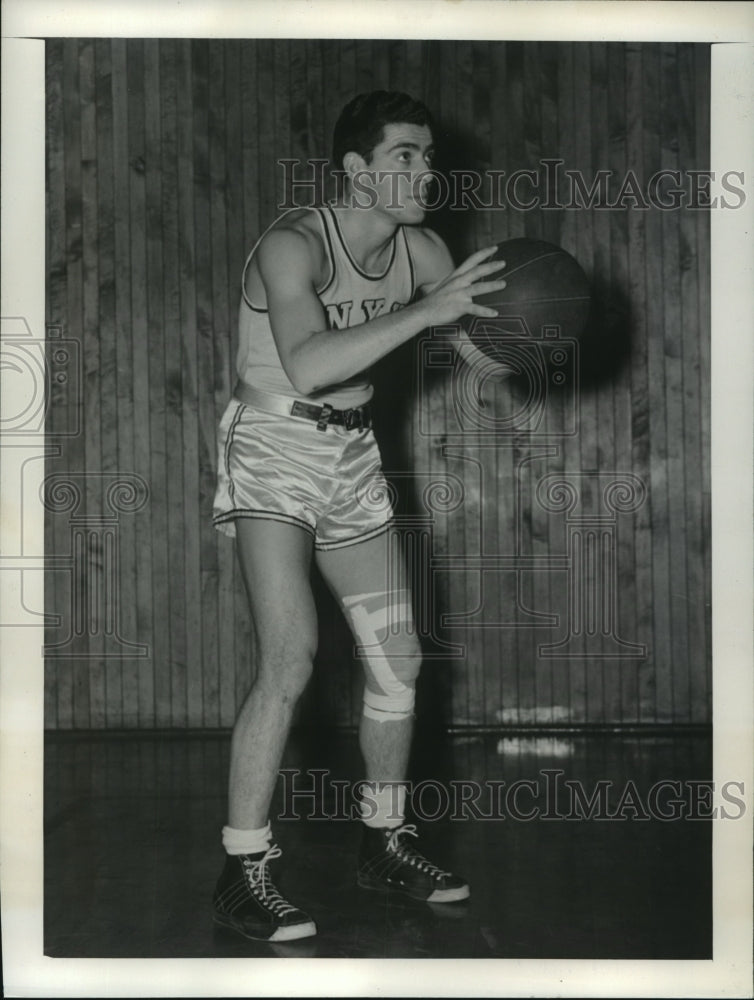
column 352, row 419
column 324, row 417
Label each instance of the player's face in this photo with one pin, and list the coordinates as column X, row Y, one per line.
column 400, row 166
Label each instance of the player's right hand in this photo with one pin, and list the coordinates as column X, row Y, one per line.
column 453, row 297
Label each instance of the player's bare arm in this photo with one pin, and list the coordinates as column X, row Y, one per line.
column 314, row 357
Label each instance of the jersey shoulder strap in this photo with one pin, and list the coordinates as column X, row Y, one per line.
column 327, row 242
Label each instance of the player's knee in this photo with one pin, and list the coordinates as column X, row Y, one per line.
column 284, row 664
column 287, row 681
column 383, row 626
column 409, row 658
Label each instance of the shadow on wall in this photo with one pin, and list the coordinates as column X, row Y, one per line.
column 605, row 345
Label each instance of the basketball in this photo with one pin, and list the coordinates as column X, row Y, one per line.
column 547, row 295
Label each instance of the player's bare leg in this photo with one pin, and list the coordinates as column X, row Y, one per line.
column 374, row 567
column 275, row 559
column 275, row 563
column 369, row 580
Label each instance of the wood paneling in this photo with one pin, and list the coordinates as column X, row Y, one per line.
column 162, row 171
column 154, row 181
column 57, row 594
column 92, row 427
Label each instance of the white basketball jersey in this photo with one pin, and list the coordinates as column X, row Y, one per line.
column 349, row 296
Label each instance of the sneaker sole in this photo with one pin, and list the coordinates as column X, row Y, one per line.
column 438, row 896
column 290, row 933
column 450, row 895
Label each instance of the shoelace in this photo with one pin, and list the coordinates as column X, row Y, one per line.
column 406, row 853
column 260, row 883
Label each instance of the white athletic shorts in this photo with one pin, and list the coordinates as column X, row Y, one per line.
column 282, row 468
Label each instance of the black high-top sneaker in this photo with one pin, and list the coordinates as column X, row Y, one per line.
column 388, row 862
column 247, row 901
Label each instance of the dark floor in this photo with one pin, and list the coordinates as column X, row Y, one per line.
column 132, row 851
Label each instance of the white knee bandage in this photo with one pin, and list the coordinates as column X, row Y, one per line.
column 383, row 626
column 389, row 707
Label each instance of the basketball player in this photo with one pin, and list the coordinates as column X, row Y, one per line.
column 327, row 292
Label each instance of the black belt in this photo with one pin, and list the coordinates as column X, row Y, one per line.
column 357, row 418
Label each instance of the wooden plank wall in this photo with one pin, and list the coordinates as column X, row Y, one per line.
column 161, row 171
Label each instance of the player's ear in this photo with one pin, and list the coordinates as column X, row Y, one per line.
column 353, row 163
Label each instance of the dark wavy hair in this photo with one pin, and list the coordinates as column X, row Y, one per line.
column 361, row 124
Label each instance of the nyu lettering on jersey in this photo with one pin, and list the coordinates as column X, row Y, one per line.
column 349, row 297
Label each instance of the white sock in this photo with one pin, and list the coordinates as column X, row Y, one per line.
column 246, row 841
column 383, row 803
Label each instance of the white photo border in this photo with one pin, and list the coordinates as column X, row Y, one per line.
column 730, row 28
